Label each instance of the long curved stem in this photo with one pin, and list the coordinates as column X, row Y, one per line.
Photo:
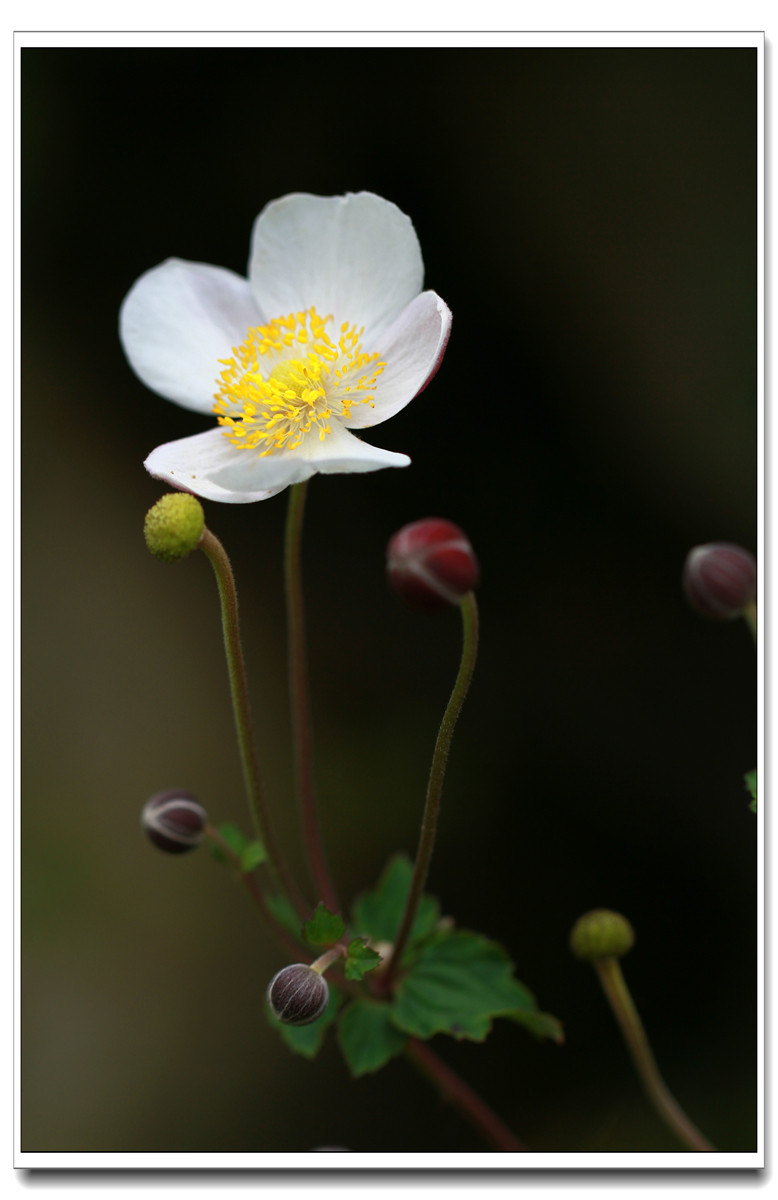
column 300, row 702
column 217, row 556
column 429, row 823
column 454, row 1089
column 634, row 1035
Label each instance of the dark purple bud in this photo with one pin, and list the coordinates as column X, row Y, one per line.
column 297, row 995
column 719, row 580
column 431, row 564
column 174, row 821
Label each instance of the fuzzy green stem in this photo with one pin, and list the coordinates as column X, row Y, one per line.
column 429, row 823
column 300, row 702
column 217, row 556
column 462, row 1097
column 634, row 1034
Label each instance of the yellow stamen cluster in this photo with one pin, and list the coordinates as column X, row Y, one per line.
column 288, row 378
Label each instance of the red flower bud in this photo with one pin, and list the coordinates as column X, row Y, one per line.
column 431, row 564
column 719, row 580
column 174, row 821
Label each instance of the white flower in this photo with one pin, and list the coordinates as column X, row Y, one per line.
column 330, row 333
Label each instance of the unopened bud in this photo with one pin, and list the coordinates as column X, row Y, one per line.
column 601, row 934
column 431, row 564
column 174, row 526
column 719, row 580
column 297, row 995
column 174, row 821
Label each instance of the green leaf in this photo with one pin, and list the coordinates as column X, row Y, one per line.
column 750, row 781
column 458, row 983
column 324, row 928
column 368, row 1037
column 236, row 841
column 378, row 913
column 361, row 959
column 252, row 855
column 307, row 1039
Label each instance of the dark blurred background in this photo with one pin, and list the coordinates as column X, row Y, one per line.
column 590, row 218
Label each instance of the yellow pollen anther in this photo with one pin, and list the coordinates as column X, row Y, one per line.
column 269, row 400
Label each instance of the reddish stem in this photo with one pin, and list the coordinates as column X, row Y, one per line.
column 456, row 1092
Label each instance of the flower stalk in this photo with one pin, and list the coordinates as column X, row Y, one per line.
column 217, row 556
column 620, row 1000
column 300, row 700
column 469, row 610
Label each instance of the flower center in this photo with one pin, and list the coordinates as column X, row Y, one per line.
column 288, row 378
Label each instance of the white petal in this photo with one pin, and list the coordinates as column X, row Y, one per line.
column 355, row 256
column 209, row 465
column 412, row 350
column 341, row 451
column 178, row 320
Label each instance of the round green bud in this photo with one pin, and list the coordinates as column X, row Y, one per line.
column 601, row 934
column 174, row 526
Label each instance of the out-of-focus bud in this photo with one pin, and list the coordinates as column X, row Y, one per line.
column 719, row 580
column 174, row 821
column 601, row 934
column 431, row 564
column 297, row 995
column 174, row 526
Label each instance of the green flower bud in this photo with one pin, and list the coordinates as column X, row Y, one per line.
column 174, row 526
column 601, row 934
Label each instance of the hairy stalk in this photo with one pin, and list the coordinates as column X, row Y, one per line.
column 217, row 556
column 634, row 1034
column 429, row 824
column 300, row 702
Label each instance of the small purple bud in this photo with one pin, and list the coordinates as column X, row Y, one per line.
column 431, row 564
column 297, row 995
column 174, row 821
column 719, row 580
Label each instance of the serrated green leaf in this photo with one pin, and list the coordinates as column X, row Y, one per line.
column 252, row 855
column 307, row 1039
column 361, row 959
column 368, row 1037
column 324, row 928
column 458, row 983
column 235, row 839
column 750, row 782
column 378, row 913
